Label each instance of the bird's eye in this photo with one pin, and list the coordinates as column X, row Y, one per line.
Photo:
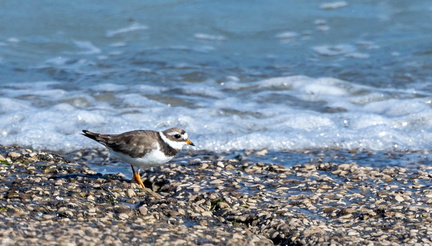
column 178, row 136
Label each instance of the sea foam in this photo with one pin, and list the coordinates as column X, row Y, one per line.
column 228, row 115
column 282, row 113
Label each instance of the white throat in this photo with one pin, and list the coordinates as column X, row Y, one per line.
column 174, row 144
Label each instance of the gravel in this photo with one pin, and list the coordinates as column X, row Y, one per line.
column 49, row 200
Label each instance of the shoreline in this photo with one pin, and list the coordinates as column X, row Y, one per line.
column 52, row 201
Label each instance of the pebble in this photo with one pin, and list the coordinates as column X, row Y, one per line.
column 262, row 152
column 399, row 198
column 130, row 193
column 123, row 216
column 14, row 155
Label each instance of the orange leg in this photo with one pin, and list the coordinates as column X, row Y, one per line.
column 137, row 177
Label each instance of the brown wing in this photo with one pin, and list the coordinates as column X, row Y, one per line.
column 133, row 143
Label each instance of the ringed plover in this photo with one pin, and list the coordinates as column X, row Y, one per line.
column 143, row 148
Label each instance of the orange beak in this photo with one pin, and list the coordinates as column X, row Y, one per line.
column 189, row 142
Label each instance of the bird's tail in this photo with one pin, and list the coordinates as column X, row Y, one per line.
column 91, row 135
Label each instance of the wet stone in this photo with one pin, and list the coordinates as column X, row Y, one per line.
column 13, row 155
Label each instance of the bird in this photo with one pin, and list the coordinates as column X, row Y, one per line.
column 143, row 148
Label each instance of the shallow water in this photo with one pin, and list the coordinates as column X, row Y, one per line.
column 282, row 75
column 100, row 162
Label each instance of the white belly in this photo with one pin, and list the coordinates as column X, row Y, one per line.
column 153, row 158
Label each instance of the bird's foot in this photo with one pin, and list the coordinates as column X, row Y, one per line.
column 137, row 178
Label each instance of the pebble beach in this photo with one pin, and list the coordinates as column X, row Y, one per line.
column 311, row 122
column 48, row 199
